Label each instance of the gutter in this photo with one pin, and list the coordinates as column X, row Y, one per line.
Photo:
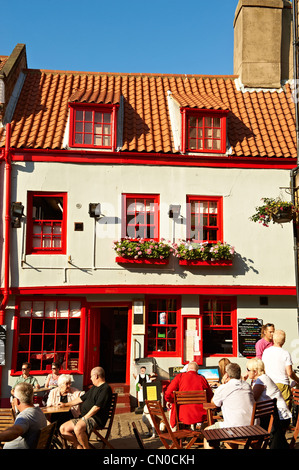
column 294, row 171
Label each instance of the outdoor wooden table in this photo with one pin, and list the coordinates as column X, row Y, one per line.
column 55, row 409
column 250, row 433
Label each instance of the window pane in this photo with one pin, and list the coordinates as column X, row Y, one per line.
column 106, row 141
column 79, row 127
column 107, row 118
column 87, row 139
column 98, row 140
column 79, row 139
column 88, row 115
column 88, row 127
column 98, row 129
column 79, row 115
column 217, row 342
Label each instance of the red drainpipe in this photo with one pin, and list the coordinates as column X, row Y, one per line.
column 7, row 218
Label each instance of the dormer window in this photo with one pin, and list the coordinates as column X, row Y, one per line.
column 93, row 126
column 204, row 131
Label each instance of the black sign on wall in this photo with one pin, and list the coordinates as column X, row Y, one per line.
column 2, row 344
column 249, row 332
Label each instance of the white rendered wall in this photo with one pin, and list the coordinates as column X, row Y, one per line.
column 264, row 255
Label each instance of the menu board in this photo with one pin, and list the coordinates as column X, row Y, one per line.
column 2, row 344
column 249, row 332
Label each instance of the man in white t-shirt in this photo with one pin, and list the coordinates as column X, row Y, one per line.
column 235, row 397
column 279, row 366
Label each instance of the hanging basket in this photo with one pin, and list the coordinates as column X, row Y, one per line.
column 283, row 217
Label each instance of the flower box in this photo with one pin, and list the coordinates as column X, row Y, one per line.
column 199, row 262
column 155, row 261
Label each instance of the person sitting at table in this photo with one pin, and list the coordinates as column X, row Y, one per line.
column 95, row 406
column 26, row 377
column 52, row 379
column 64, row 393
column 23, row 434
column 188, row 414
column 264, row 389
column 235, row 397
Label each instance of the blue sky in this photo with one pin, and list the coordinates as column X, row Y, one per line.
column 130, row 36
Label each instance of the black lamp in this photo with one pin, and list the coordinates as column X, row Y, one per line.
column 174, row 211
column 17, row 212
column 94, row 209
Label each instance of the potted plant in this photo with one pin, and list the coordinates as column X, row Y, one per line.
column 274, row 210
column 142, row 251
column 204, row 254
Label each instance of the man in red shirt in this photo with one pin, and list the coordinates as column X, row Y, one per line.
column 187, row 381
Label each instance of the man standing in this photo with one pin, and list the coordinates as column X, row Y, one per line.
column 187, row 381
column 30, row 420
column 235, row 397
column 266, row 340
column 278, row 366
column 94, row 411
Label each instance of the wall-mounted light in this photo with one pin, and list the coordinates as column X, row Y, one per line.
column 174, row 211
column 94, row 209
column 17, row 212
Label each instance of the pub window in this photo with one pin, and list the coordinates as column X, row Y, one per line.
column 49, row 331
column 163, row 317
column 219, row 326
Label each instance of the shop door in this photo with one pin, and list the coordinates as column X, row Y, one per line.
column 113, row 343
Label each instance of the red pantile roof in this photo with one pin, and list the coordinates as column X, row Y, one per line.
column 3, row 60
column 260, row 124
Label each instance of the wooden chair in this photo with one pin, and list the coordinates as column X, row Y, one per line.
column 296, row 429
column 7, row 419
column 196, row 397
column 137, row 435
column 261, row 409
column 177, row 439
column 108, row 425
column 45, row 437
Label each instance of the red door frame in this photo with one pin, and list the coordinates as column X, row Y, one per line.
column 93, row 325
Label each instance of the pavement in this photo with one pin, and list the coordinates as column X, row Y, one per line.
column 122, row 435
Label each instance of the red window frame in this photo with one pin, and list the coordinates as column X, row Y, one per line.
column 45, row 229
column 41, row 326
column 219, row 323
column 96, row 123
column 205, row 222
column 203, row 126
column 166, row 336
column 141, row 223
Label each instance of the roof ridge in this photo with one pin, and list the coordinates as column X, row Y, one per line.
column 134, row 74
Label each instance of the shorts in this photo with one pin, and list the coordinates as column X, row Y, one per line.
column 90, row 423
column 286, row 393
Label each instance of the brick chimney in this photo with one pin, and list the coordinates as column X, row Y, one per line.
column 263, row 43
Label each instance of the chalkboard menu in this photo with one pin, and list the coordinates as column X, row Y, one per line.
column 249, row 332
column 2, row 344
